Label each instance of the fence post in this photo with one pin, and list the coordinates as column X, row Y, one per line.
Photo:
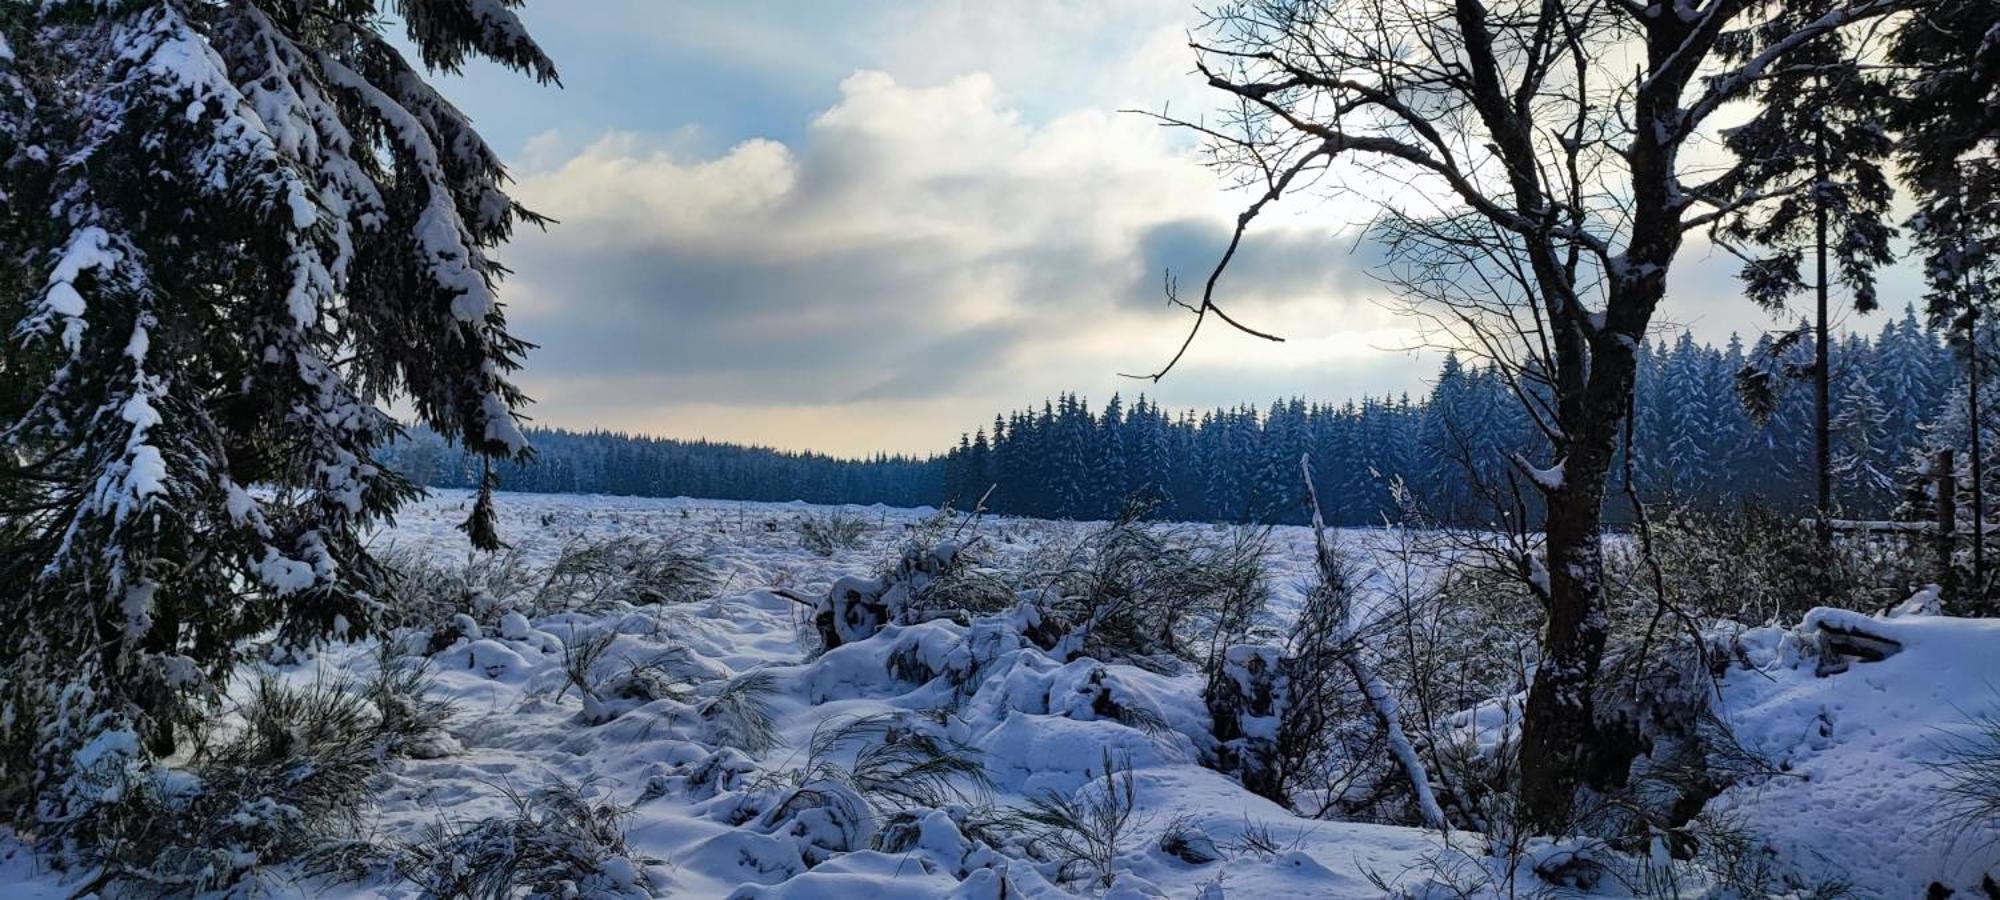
column 1947, row 526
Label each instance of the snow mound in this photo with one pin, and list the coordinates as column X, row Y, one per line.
column 1859, row 742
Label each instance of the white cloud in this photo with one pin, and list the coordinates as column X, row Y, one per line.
column 924, row 244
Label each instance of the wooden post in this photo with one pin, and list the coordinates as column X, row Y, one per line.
column 1947, row 526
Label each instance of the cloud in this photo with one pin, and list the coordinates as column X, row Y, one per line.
column 917, row 245
column 870, row 225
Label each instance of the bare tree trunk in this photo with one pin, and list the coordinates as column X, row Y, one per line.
column 1822, row 378
column 1977, row 465
column 1945, row 470
column 1558, row 721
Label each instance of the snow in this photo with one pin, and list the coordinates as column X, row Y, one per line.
column 1861, row 792
column 1858, row 800
column 285, row 576
column 88, row 248
column 1549, row 479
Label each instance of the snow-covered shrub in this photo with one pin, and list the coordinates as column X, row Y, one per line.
column 1314, row 719
column 411, row 718
column 859, row 772
column 665, row 675
column 1972, row 769
column 589, row 574
column 1082, row 834
column 1155, row 595
column 738, row 712
column 1185, row 840
column 436, row 605
column 556, row 841
column 732, row 710
column 1724, row 859
column 828, row 532
column 288, row 785
column 927, row 581
column 895, row 761
column 1246, row 697
column 957, row 838
column 1756, row 566
column 582, row 652
column 1661, row 752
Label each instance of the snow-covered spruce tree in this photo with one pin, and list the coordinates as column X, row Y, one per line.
column 231, row 231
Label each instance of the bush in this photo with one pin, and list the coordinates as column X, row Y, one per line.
column 1083, row 833
column 1156, row 595
column 828, row 532
column 930, row 580
column 1756, row 566
column 642, row 570
column 287, row 786
column 411, row 719
column 556, row 842
column 426, row 595
column 896, row 763
column 1972, row 771
column 738, row 713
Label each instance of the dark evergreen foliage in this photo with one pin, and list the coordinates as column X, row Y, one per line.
column 230, row 232
column 1694, row 443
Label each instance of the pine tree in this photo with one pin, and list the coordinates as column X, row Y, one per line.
column 1864, row 463
column 1107, row 490
column 1687, row 419
column 233, row 230
column 1951, row 123
column 1820, row 119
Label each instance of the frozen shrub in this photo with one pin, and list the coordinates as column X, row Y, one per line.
column 412, row 720
column 666, row 675
column 863, row 770
column 1155, row 595
column 1725, row 859
column 832, row 531
column 1972, row 770
column 927, row 581
column 824, row 817
column 1756, row 566
column 582, row 654
column 1082, row 834
column 1261, row 839
column 1317, row 718
column 1246, row 697
column 1182, row 839
column 441, row 604
column 289, row 785
column 590, row 574
column 556, row 841
column 896, row 761
column 738, row 713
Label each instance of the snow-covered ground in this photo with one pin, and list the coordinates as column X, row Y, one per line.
column 521, row 735
column 1859, row 801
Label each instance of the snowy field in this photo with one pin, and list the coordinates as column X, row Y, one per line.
column 710, row 817
column 1031, row 742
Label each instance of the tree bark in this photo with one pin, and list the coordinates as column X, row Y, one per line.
column 1976, row 464
column 1822, row 375
column 1558, row 722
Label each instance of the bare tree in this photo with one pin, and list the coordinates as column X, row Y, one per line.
column 1534, row 166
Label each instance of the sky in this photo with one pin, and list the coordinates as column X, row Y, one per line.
column 869, row 226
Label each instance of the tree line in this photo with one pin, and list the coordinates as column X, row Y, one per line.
column 1694, row 441
column 614, row 462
